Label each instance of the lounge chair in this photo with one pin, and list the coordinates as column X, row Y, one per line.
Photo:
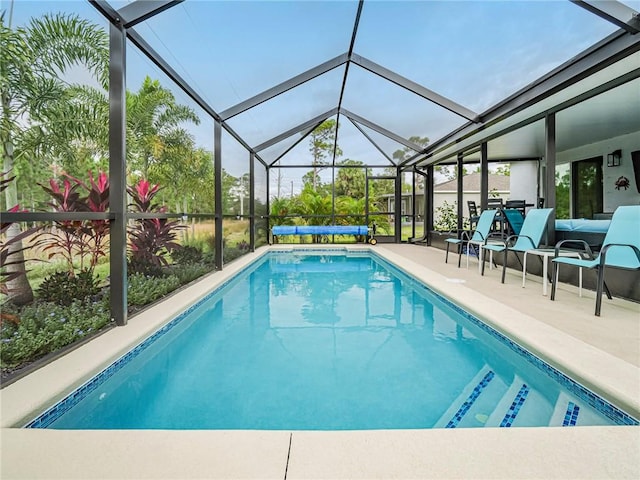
column 533, row 228
column 620, row 249
column 514, row 219
column 474, row 216
column 517, row 204
column 480, row 235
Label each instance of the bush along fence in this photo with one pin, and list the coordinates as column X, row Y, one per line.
column 71, row 298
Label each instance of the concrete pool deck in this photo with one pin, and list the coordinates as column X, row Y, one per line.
column 601, row 352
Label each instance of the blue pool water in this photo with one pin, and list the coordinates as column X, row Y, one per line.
column 327, row 342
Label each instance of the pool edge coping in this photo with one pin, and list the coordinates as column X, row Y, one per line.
column 622, row 394
column 21, row 401
column 594, row 369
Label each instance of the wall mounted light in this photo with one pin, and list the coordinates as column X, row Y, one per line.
column 613, row 158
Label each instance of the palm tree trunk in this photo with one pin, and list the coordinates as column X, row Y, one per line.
column 19, row 289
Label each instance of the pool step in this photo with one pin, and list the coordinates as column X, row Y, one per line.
column 471, row 407
column 506, row 402
column 566, row 412
column 569, row 412
column 487, row 401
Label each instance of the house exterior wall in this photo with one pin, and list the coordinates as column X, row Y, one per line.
column 440, row 197
column 612, row 197
column 524, row 181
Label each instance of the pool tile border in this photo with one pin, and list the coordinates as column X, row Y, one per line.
column 54, row 412
column 515, row 407
column 601, row 405
column 571, row 416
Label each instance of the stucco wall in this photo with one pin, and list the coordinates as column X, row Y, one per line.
column 524, row 181
column 613, row 197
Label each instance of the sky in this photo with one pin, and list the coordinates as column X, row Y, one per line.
column 472, row 52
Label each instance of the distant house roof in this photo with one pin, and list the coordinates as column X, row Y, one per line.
column 471, row 183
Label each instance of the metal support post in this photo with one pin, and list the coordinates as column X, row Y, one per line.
column 117, row 174
column 217, row 172
column 459, row 178
column 484, row 176
column 398, row 209
column 550, row 173
column 252, row 202
column 429, row 186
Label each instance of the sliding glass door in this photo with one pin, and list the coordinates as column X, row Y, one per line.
column 586, row 180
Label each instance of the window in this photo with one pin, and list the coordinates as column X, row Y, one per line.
column 586, row 183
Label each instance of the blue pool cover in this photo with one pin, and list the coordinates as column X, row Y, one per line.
column 320, row 230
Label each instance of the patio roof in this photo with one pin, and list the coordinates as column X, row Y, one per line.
column 388, row 71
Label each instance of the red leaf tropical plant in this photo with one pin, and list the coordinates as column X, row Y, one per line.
column 84, row 240
column 150, row 239
column 142, row 195
column 98, row 201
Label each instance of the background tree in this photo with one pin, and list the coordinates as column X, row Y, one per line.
column 354, row 207
column 280, row 208
column 71, row 136
column 319, row 186
column 563, row 190
column 35, row 95
column 321, row 143
column 240, row 194
column 405, row 153
column 351, row 181
column 229, row 183
column 502, row 169
column 154, row 129
column 316, row 205
column 186, row 172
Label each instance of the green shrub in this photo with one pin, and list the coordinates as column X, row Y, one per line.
column 243, row 246
column 46, row 327
column 231, row 253
column 203, row 242
column 144, row 289
column 140, row 266
column 446, row 218
column 63, row 288
column 209, row 258
column 187, row 255
column 188, row 273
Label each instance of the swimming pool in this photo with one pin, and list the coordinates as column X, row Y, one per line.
column 327, row 342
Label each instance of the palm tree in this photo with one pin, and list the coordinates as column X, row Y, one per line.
column 153, row 124
column 321, row 145
column 316, row 206
column 351, row 206
column 280, row 207
column 312, row 203
column 35, row 97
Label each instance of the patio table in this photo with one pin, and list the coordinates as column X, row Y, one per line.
column 546, row 254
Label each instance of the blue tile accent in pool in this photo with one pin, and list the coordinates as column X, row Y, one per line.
column 607, row 409
column 49, row 416
column 53, row 413
column 464, row 408
column 514, row 409
column 571, row 417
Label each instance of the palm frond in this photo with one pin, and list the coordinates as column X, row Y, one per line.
column 60, row 41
